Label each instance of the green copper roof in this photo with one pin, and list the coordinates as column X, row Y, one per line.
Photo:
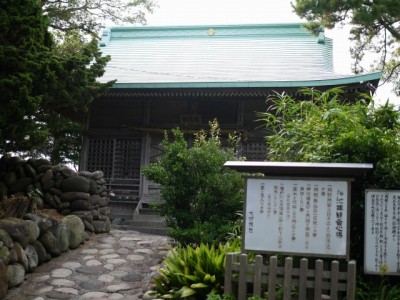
column 266, row 55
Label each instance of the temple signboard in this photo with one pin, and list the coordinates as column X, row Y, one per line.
column 382, row 232
column 297, row 216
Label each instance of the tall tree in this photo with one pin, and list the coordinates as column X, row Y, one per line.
column 25, row 48
column 375, row 28
column 88, row 15
column 76, row 25
column 43, row 86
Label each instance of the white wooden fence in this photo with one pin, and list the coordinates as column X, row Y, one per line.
column 291, row 283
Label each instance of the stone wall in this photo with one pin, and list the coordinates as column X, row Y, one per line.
column 45, row 210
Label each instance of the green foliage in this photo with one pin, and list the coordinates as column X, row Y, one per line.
column 193, row 273
column 326, row 128
column 374, row 29
column 45, row 88
column 201, row 196
column 87, row 16
column 371, row 291
column 25, row 46
column 214, row 296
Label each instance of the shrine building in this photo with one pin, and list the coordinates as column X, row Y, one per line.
column 186, row 76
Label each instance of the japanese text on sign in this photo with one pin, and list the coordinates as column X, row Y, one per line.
column 296, row 216
column 382, row 232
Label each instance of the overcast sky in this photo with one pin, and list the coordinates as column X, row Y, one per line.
column 216, row 12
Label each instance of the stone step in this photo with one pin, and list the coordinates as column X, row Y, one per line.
column 121, row 215
column 145, row 224
column 149, row 218
column 148, row 211
column 156, row 231
column 148, row 230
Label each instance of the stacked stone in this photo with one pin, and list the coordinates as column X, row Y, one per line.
column 87, row 198
column 63, row 189
column 24, row 244
column 41, row 232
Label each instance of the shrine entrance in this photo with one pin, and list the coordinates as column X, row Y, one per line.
column 120, row 160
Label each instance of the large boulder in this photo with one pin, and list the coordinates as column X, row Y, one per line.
column 101, row 226
column 18, row 255
column 22, row 231
column 84, row 215
column 75, row 184
column 15, row 230
column 50, row 243
column 41, row 252
column 6, row 239
column 79, row 205
column 76, row 228
column 21, row 185
column 39, row 162
column 30, row 171
column 47, row 176
column 72, row 196
column 4, row 254
column 67, row 172
column 44, row 224
column 93, row 187
column 63, row 234
column 32, row 256
column 32, row 230
column 15, row 275
column 97, row 175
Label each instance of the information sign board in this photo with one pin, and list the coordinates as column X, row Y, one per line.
column 382, row 232
column 297, row 216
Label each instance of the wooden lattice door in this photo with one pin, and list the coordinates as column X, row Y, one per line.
column 119, row 159
column 127, row 158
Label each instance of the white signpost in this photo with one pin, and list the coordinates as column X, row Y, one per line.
column 301, row 216
column 382, row 232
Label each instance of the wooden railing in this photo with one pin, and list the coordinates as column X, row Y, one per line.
column 290, row 283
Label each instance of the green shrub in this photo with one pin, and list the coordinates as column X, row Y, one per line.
column 201, row 196
column 194, row 273
column 327, row 127
column 370, row 291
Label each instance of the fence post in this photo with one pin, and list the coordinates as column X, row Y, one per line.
column 303, row 279
column 273, row 263
column 257, row 276
column 228, row 273
column 287, row 281
column 334, row 279
column 351, row 280
column 318, row 279
column 242, row 294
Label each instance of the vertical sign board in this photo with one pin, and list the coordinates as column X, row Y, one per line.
column 382, row 232
column 302, row 216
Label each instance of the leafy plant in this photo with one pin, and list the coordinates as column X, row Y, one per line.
column 328, row 127
column 369, row 291
column 201, row 196
column 193, row 273
column 214, row 296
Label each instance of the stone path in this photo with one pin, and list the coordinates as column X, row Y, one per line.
column 118, row 265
